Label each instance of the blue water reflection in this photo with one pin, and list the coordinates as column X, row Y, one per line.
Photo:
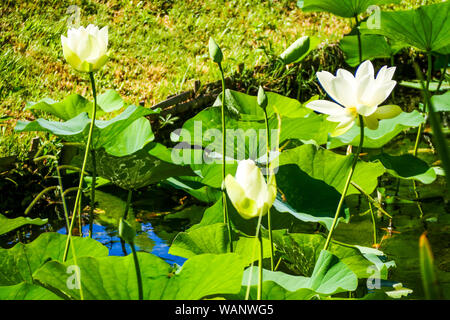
column 110, row 239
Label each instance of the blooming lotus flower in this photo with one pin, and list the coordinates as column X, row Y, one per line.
column 248, row 191
column 85, row 48
column 356, row 95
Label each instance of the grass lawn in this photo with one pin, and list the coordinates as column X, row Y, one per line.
column 157, row 48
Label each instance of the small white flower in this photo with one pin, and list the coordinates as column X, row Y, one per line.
column 85, row 49
column 360, row 94
column 248, row 191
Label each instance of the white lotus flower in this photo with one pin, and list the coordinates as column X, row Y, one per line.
column 85, row 48
column 248, row 191
column 360, row 94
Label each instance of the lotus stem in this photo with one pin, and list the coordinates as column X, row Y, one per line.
column 40, row 194
column 374, row 223
column 226, row 218
column 260, row 274
column 83, row 167
column 347, row 183
column 257, row 236
column 359, row 38
column 138, row 271
column 441, row 144
column 94, row 179
column 269, row 219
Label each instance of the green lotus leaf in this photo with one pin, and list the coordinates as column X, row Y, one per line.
column 407, row 167
column 148, row 165
column 441, row 102
column 20, row 262
column 66, row 109
column 433, row 85
column 114, row 278
column 426, row 28
column 26, row 291
column 75, row 104
column 330, row 276
column 386, row 131
column 76, row 129
column 373, row 47
column 214, row 239
column 343, row 8
column 300, row 251
column 7, row 225
column 110, row 101
column 246, row 128
column 332, row 168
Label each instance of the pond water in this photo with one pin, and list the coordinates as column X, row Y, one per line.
column 110, row 239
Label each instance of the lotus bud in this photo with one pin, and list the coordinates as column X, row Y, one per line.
column 214, row 51
column 248, row 191
column 85, row 49
column 262, row 98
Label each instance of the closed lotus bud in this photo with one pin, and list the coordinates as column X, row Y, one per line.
column 262, row 98
column 296, row 51
column 126, row 232
column 214, row 51
column 85, row 49
column 248, row 191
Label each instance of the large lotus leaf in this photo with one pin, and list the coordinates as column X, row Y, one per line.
column 333, row 168
column 306, row 198
column 77, row 129
column 373, row 47
column 66, row 109
column 114, row 278
column 132, row 139
column 246, row 135
column 26, row 291
column 7, row 225
column 441, row 102
column 273, row 291
column 196, row 189
column 386, row 131
column 246, row 106
column 426, row 28
column 342, row 8
column 330, row 276
column 75, row 104
column 301, row 251
column 110, row 101
column 214, row 239
column 148, row 165
column 432, row 87
column 407, row 167
column 18, row 263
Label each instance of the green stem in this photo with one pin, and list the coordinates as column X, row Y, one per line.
column 138, row 272
column 257, row 235
column 260, row 274
column 374, row 224
column 269, row 219
column 83, row 167
column 94, row 180
column 419, row 132
column 444, row 70
column 61, row 190
column 128, row 203
column 438, row 135
column 226, row 218
column 347, row 183
column 359, row 38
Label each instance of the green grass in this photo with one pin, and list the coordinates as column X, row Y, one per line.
column 157, row 48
